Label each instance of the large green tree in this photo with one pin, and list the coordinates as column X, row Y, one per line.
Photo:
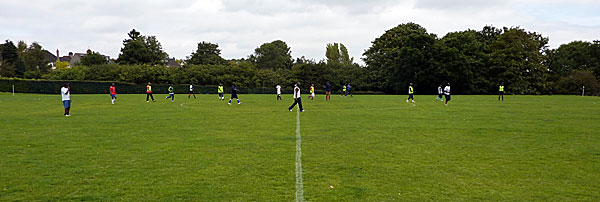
column 33, row 57
column 11, row 64
column 337, row 53
column 274, row 55
column 577, row 55
column 517, row 61
column 206, row 54
column 139, row 49
column 460, row 60
column 401, row 55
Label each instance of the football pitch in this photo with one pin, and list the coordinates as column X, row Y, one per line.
column 365, row 148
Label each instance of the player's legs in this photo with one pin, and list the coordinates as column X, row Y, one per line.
column 230, row 99
column 300, row 104
column 65, row 106
column 295, row 102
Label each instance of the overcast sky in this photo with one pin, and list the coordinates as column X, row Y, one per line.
column 239, row 26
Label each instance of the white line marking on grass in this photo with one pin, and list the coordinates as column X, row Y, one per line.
column 299, row 185
column 183, row 105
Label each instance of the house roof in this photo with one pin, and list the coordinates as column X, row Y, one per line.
column 171, row 62
column 65, row 59
column 48, row 56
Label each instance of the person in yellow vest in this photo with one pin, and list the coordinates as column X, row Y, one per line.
column 501, row 92
column 312, row 92
column 149, row 93
column 220, row 91
column 344, row 93
column 411, row 94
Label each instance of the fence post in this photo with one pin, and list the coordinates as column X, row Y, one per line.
column 13, row 90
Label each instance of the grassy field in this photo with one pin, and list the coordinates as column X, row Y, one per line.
column 368, row 148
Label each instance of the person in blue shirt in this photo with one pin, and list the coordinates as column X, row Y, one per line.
column 234, row 92
column 327, row 91
column 349, row 90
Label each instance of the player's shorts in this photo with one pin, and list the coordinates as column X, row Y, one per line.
column 312, row 94
column 411, row 96
column 67, row 103
column 440, row 95
column 191, row 91
column 447, row 97
column 234, row 96
column 500, row 92
column 220, row 94
column 113, row 95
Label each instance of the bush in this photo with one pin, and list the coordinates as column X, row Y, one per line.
column 572, row 83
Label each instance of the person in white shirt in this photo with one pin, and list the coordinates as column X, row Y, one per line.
column 191, row 91
column 440, row 93
column 278, row 87
column 447, row 93
column 297, row 98
column 65, row 92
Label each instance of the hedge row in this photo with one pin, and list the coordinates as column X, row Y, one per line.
column 102, row 87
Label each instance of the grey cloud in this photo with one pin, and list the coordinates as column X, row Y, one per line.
column 458, row 5
column 273, row 7
column 239, row 26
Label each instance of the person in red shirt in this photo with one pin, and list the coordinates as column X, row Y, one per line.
column 113, row 93
column 149, row 92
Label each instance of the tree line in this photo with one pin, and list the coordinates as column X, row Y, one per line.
column 473, row 61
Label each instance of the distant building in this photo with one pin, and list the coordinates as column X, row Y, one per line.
column 50, row 58
column 171, row 62
column 75, row 58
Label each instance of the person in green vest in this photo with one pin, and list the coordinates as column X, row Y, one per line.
column 220, row 91
column 344, row 93
column 501, row 92
column 171, row 93
column 410, row 94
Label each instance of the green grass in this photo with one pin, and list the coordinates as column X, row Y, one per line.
column 369, row 148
